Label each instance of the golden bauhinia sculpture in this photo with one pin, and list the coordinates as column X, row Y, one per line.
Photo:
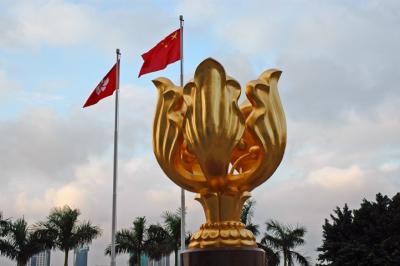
column 207, row 144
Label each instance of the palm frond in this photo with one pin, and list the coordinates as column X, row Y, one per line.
column 159, row 242
column 172, row 223
column 22, row 242
column 132, row 240
column 139, row 230
column 247, row 211
column 272, row 257
column 271, row 241
column 284, row 238
column 289, row 259
column 62, row 223
column 294, row 237
column 124, row 242
column 299, row 231
column 276, row 228
column 85, row 233
column 65, row 231
column 4, row 225
column 303, row 261
column 187, row 238
column 7, row 249
column 254, row 228
column 19, row 232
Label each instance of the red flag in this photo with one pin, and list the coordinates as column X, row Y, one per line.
column 105, row 88
column 165, row 52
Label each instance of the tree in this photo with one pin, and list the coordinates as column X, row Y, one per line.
column 4, row 225
column 158, row 242
column 285, row 239
column 21, row 242
column 132, row 241
column 67, row 233
column 172, row 225
column 155, row 241
column 369, row 235
column 188, row 237
column 247, row 215
column 163, row 240
column 271, row 257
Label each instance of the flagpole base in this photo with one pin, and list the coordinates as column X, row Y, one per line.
column 223, row 257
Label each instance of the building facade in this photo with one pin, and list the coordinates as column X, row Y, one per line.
column 146, row 261
column 40, row 259
column 81, row 256
column 164, row 261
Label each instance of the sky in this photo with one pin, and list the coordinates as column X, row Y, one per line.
column 339, row 89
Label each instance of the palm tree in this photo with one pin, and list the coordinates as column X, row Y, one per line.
column 21, row 242
column 4, row 225
column 272, row 257
column 132, row 241
column 158, row 242
column 67, row 233
column 247, row 215
column 172, row 225
column 163, row 240
column 187, row 238
column 285, row 239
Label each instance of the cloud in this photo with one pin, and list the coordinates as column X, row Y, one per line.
column 8, row 87
column 325, row 72
column 27, row 24
column 331, row 177
column 390, row 166
column 197, row 10
column 43, row 142
column 45, row 22
column 5, row 83
column 37, row 206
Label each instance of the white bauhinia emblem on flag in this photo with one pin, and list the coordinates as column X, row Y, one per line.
column 102, row 86
column 105, row 88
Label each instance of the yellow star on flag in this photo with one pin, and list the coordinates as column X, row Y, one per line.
column 173, row 37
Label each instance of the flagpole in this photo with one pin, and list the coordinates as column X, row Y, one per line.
column 115, row 171
column 182, row 190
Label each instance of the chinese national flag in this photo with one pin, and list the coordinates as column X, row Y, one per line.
column 165, row 52
column 105, row 88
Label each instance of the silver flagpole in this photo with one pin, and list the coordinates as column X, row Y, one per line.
column 115, row 172
column 182, row 190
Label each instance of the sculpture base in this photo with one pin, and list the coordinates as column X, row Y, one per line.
column 223, row 257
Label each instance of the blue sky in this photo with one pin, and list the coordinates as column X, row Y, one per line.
column 339, row 89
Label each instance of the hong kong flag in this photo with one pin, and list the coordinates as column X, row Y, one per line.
column 105, row 88
column 165, row 52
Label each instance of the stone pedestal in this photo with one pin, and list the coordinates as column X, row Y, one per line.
column 223, row 257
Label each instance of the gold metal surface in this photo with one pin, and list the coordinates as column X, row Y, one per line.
column 207, row 144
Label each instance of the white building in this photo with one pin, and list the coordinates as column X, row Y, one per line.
column 81, row 256
column 40, row 259
column 164, row 261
